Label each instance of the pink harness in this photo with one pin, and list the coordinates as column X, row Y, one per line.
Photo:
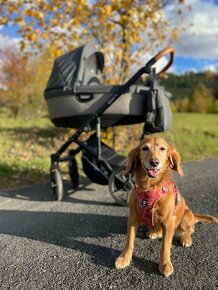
column 147, row 199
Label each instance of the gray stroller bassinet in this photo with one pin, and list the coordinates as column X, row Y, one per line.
column 77, row 98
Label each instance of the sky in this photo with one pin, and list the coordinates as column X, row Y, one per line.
column 196, row 48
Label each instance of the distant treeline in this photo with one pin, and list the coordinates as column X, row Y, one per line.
column 183, row 86
column 193, row 92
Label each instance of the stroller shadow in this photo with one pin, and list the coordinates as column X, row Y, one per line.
column 65, row 230
column 43, row 192
column 77, row 231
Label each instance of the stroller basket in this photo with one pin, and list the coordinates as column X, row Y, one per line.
column 93, row 168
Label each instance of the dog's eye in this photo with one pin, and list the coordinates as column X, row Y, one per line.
column 145, row 148
column 162, row 148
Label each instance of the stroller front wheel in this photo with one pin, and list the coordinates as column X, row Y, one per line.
column 120, row 186
column 57, row 184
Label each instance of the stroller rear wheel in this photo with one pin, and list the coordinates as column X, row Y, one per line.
column 120, row 186
column 57, row 184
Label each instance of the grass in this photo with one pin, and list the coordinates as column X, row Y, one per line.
column 26, row 144
column 194, row 135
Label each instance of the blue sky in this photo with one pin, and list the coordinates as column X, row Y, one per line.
column 197, row 47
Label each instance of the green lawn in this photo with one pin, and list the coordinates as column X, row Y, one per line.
column 25, row 149
column 27, row 144
column 194, row 135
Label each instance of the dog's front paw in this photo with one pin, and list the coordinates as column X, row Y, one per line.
column 186, row 242
column 154, row 236
column 166, row 269
column 122, row 262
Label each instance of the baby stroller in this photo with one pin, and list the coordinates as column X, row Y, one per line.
column 76, row 98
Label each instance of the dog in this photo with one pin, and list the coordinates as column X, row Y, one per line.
column 156, row 202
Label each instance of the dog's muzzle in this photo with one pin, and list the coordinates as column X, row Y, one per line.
column 152, row 172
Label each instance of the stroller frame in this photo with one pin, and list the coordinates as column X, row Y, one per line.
column 95, row 119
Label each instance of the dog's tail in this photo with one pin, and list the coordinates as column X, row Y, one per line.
column 205, row 219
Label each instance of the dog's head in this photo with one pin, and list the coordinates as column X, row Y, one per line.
column 155, row 156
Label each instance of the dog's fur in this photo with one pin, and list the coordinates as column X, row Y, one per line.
column 168, row 218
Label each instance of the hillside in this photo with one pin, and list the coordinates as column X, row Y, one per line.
column 183, row 86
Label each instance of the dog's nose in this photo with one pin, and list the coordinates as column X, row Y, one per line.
column 154, row 162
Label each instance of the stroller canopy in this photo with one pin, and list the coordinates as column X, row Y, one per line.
column 81, row 66
column 75, row 94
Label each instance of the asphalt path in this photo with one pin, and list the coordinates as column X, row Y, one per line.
column 45, row 244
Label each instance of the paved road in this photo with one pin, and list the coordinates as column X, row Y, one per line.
column 72, row 244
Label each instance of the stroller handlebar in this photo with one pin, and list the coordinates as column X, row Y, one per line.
column 158, row 56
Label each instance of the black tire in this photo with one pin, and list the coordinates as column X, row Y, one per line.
column 120, row 186
column 73, row 173
column 57, row 185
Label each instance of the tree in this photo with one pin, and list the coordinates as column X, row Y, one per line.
column 22, row 81
column 124, row 30
column 201, row 99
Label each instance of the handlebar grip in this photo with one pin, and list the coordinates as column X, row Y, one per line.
column 158, row 56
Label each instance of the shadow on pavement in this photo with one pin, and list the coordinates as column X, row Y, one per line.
column 72, row 230
column 43, row 191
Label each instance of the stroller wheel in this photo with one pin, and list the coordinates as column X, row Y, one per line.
column 73, row 172
column 120, row 186
column 57, row 184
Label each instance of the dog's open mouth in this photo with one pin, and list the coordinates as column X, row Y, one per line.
column 152, row 172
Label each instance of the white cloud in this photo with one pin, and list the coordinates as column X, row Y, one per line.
column 211, row 68
column 7, row 41
column 200, row 40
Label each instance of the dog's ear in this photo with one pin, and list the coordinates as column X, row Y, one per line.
column 174, row 161
column 133, row 161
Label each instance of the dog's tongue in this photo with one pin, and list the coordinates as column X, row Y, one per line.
column 153, row 173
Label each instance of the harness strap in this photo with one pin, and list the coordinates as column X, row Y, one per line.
column 146, row 201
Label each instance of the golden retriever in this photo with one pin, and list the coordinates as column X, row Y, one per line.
column 156, row 201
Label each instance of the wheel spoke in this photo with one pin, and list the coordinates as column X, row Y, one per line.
column 120, row 186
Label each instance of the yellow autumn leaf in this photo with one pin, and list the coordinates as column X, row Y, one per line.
column 65, row 25
column 20, row 22
column 79, row 9
column 101, row 19
column 12, row 8
column 23, row 45
column 125, row 3
column 124, row 18
column 108, row 10
column 3, row 20
column 110, row 26
column 32, row 37
column 27, row 12
column 57, row 52
column 44, row 35
column 38, row 15
column 136, row 37
column 130, row 40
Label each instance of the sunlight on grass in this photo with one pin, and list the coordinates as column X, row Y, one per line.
column 194, row 135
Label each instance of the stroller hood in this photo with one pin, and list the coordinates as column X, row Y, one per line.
column 76, row 68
